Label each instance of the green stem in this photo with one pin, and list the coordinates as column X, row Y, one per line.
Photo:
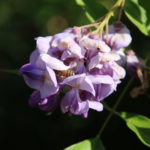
column 121, row 9
column 106, row 18
column 111, row 13
column 112, row 110
column 11, row 71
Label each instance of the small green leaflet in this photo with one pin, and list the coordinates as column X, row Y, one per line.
column 138, row 13
column 89, row 144
column 140, row 125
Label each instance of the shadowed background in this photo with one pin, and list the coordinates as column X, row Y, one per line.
column 22, row 127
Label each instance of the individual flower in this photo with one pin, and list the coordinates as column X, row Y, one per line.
column 41, row 78
column 134, row 64
column 43, row 44
column 118, row 36
column 104, row 64
column 136, row 67
column 104, row 85
column 94, row 44
column 121, row 53
column 72, row 101
column 47, row 104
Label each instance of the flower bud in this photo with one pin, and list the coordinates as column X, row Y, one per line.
column 119, row 36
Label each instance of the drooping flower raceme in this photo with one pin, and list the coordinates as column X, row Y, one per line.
column 75, row 69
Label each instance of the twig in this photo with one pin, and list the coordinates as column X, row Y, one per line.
column 114, row 108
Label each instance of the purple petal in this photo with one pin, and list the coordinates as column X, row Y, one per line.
column 103, row 91
column 58, row 37
column 43, row 44
column 75, row 80
column 98, row 79
column 80, row 82
column 72, row 102
column 102, row 57
column 67, row 101
column 118, row 69
column 46, row 104
column 49, row 104
column 80, row 68
column 34, row 56
column 49, row 86
column 109, row 57
column 94, row 62
column 31, row 71
column 120, row 40
column 95, row 105
column 82, row 108
column 53, row 62
column 66, row 54
column 119, row 36
column 87, row 85
column 34, row 84
column 52, row 75
column 32, row 76
column 76, row 50
column 34, row 99
column 92, row 44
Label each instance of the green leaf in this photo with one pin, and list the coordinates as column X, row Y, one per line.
column 80, row 2
column 138, row 13
column 84, row 7
column 12, row 71
column 106, row 3
column 93, row 9
column 140, row 125
column 90, row 144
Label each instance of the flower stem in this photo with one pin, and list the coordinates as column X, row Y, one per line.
column 113, row 110
column 121, row 9
column 119, row 3
column 102, row 22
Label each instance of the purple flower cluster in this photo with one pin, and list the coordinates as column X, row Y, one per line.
column 75, row 69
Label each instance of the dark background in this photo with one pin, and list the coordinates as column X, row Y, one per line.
column 22, row 127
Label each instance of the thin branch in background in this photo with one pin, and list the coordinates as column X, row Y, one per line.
column 114, row 108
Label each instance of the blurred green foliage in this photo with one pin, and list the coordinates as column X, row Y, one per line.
column 22, row 127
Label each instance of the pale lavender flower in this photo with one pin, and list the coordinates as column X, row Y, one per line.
column 43, row 44
column 105, row 65
column 41, row 79
column 119, row 36
column 72, row 101
column 94, row 44
column 98, row 60
column 104, row 85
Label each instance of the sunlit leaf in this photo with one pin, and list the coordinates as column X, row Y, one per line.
column 139, row 14
column 91, row 144
column 140, row 125
column 80, row 2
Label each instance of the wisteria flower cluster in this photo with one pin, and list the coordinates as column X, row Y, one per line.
column 76, row 69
